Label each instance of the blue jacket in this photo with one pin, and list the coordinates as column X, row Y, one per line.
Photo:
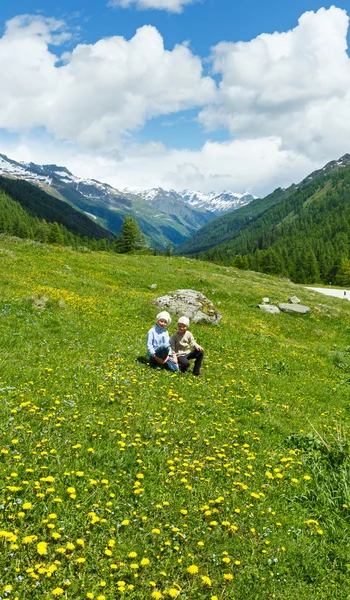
column 156, row 338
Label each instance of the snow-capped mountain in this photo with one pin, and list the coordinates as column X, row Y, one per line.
column 218, row 203
column 163, row 215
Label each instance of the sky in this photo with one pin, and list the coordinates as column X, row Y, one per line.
column 205, row 95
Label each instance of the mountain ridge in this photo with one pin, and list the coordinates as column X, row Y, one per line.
column 302, row 232
column 225, row 227
column 163, row 215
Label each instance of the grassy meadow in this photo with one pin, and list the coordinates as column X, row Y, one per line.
column 119, row 481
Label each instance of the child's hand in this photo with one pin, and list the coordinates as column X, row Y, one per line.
column 200, row 348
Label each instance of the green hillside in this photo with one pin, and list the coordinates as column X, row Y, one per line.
column 42, row 205
column 121, row 481
column 302, row 233
column 224, row 228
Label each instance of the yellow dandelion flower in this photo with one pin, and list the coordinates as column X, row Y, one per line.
column 156, row 595
column 132, row 554
column 57, row 591
column 192, row 569
column 70, row 546
column 206, row 580
column 41, row 548
column 228, row 576
column 144, row 562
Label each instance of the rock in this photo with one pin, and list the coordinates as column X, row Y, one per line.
column 269, row 308
column 194, row 305
column 294, row 300
column 153, row 286
column 294, row 308
column 266, row 300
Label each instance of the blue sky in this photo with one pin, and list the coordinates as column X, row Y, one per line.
column 199, row 94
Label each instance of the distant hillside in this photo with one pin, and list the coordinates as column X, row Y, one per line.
column 27, row 212
column 162, row 215
column 302, row 232
column 226, row 227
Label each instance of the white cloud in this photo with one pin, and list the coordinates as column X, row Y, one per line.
column 255, row 165
column 285, row 98
column 293, row 85
column 258, row 165
column 101, row 91
column 175, row 6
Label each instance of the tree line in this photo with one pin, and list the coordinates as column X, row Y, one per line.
column 305, row 237
column 17, row 221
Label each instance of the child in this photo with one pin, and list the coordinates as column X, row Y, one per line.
column 158, row 344
column 182, row 343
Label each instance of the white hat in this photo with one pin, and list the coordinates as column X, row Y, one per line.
column 164, row 315
column 184, row 321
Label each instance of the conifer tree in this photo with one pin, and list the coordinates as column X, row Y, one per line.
column 131, row 237
column 55, row 235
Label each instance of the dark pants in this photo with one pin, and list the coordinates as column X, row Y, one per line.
column 163, row 352
column 184, row 361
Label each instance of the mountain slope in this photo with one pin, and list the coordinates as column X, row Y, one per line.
column 45, row 206
column 227, row 227
column 162, row 215
column 304, row 236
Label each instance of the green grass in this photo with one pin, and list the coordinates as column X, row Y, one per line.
column 242, row 477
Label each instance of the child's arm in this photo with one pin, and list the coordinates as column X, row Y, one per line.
column 173, row 349
column 195, row 345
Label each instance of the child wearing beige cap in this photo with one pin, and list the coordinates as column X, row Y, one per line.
column 185, row 348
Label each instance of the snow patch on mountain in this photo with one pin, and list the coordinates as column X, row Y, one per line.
column 218, row 203
column 161, row 199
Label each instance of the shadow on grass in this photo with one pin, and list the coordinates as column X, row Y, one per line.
column 142, row 360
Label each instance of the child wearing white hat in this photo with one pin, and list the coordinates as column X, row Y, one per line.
column 158, row 344
column 185, row 347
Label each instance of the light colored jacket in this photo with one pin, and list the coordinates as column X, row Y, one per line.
column 156, row 337
column 182, row 343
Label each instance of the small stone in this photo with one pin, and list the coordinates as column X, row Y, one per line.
column 269, row 308
column 153, row 286
column 294, row 308
column 294, row 300
column 266, row 300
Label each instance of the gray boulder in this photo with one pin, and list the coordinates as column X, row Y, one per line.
column 294, row 308
column 269, row 308
column 294, row 300
column 191, row 304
